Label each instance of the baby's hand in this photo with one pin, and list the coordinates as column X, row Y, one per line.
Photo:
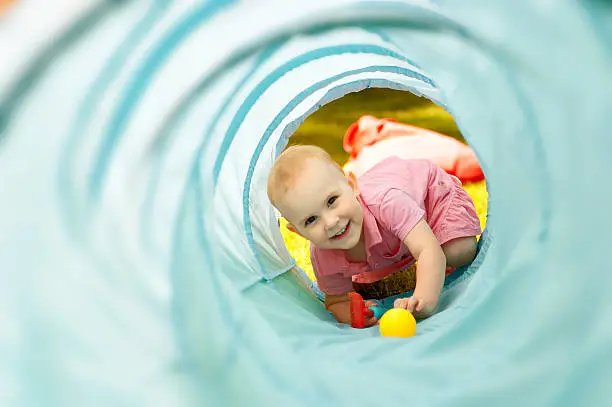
column 342, row 311
column 419, row 307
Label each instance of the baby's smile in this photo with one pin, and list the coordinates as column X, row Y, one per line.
column 342, row 233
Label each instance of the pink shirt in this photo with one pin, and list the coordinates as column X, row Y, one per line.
column 394, row 195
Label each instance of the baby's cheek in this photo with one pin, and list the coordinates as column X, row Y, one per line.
column 320, row 236
column 359, row 213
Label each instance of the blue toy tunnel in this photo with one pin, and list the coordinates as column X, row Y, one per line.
column 141, row 260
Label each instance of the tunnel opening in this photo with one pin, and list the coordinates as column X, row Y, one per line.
column 329, row 128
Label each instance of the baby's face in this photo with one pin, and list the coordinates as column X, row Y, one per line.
column 323, row 207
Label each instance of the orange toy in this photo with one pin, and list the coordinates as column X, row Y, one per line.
column 359, row 312
column 4, row 4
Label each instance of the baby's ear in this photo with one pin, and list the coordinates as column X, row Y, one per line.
column 352, row 180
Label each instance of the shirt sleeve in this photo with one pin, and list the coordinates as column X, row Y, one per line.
column 329, row 283
column 399, row 213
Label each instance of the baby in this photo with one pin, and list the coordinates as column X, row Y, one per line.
column 359, row 229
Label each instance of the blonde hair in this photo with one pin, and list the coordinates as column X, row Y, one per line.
column 289, row 164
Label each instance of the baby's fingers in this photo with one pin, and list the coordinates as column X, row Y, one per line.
column 401, row 303
column 408, row 304
column 371, row 322
column 413, row 304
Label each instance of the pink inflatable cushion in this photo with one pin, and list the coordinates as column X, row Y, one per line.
column 370, row 140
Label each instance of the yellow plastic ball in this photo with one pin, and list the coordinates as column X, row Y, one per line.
column 397, row 322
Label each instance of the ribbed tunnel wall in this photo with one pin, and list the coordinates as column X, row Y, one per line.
column 141, row 261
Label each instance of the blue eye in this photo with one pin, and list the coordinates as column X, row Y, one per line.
column 309, row 220
column 331, row 200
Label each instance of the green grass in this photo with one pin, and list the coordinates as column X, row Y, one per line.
column 326, row 128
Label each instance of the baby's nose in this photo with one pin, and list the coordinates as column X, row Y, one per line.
column 331, row 221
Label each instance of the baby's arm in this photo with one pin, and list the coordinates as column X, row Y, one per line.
column 430, row 270
column 336, row 287
column 339, row 306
